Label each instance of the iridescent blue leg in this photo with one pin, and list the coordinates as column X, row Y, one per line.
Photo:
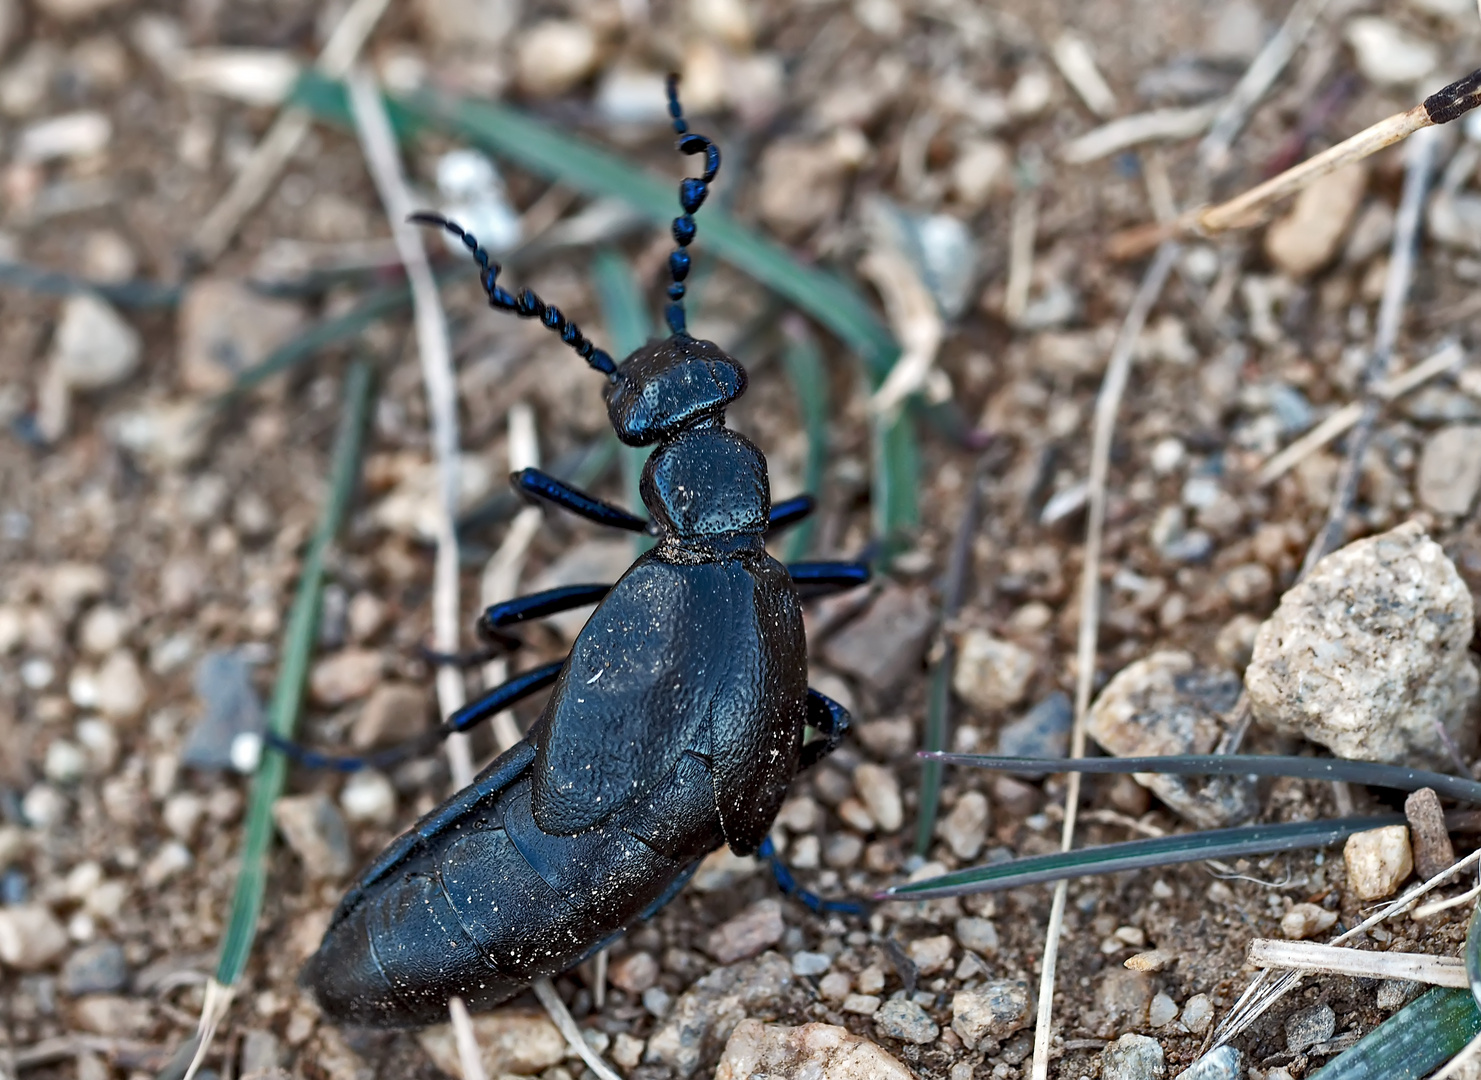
column 541, row 485
column 469, row 716
column 789, row 512
column 827, row 716
column 536, row 606
column 824, row 578
column 788, row 884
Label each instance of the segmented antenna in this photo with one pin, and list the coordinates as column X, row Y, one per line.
column 692, row 194
column 526, row 305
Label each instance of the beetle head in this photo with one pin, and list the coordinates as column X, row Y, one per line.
column 669, row 385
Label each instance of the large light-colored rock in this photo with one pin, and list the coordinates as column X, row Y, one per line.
column 1165, row 704
column 1368, row 652
column 810, row 1052
column 709, row 1011
column 1308, row 237
column 521, row 1041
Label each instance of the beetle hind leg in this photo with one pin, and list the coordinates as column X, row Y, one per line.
column 827, row 716
column 787, row 883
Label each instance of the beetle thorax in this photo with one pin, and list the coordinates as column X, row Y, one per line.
column 707, row 482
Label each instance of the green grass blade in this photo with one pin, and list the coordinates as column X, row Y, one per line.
column 138, row 293
column 1413, row 1042
column 938, row 695
column 557, row 155
column 629, row 326
column 1473, row 952
column 803, row 362
column 287, row 700
column 1139, row 854
column 1397, row 777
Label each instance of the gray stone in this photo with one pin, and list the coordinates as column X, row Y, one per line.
column 1044, row 731
column 884, row 646
column 758, row 1051
column 807, row 964
column 902, row 1019
column 1124, row 996
column 1198, row 1013
column 1306, row 1028
column 1395, row 993
column 704, row 1016
column 995, row 1011
column 1132, row 1057
column 634, row 972
column 1162, row 1011
column 1368, row 652
column 345, row 676
column 98, row 968
column 223, row 682
column 394, row 713
column 1164, row 704
column 1449, row 473
column 316, row 832
column 990, row 673
column 1225, row 1063
column 93, row 348
column 757, row 928
column 224, row 328
column 979, row 935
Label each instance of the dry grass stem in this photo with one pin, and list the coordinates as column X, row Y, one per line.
column 1427, row 911
column 466, row 1038
column 502, row 572
column 1107, row 405
column 256, row 177
column 914, row 318
column 1156, row 125
column 378, row 144
column 1258, row 78
column 1447, row 358
column 1024, row 234
column 1335, row 960
column 1419, row 166
column 213, row 1010
column 1076, row 63
column 545, row 991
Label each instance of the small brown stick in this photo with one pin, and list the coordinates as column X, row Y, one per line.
column 270, row 155
column 1252, row 207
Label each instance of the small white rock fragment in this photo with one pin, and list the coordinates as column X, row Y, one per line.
column 931, row 955
column 880, row 793
column 512, row 1040
column 760, row 1051
column 1162, row 1011
column 1449, row 475
column 345, row 676
column 965, row 828
column 368, row 796
column 757, row 928
column 1306, row 920
column 634, row 972
column 1368, row 652
column 1198, row 1013
column 1378, row 861
column 1309, row 236
column 316, row 832
column 990, row 673
column 554, row 56
column 120, row 687
column 1388, row 55
column 74, row 135
column 31, row 937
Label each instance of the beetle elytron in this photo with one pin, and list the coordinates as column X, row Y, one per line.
column 674, row 725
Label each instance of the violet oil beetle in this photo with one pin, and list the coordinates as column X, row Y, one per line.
column 675, row 724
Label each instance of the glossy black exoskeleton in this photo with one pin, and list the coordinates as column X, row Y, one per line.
column 675, row 724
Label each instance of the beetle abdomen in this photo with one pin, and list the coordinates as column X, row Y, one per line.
column 485, row 909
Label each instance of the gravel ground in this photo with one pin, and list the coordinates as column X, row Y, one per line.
column 145, row 538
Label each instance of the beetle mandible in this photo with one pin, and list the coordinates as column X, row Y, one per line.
column 676, row 723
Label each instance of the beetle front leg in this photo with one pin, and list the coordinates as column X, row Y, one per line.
column 541, row 485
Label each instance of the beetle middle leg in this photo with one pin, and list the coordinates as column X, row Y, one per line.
column 815, row 579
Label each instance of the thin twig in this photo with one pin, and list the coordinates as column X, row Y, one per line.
column 1107, row 404
column 1419, row 164
column 378, row 144
column 269, row 156
column 1076, row 63
column 1213, row 151
column 1335, row 960
column 1251, row 208
column 1429, row 911
column 1446, row 358
column 545, row 991
column 501, row 574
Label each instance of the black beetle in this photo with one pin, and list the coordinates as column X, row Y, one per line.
column 675, row 724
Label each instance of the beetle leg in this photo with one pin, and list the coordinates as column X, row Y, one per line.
column 535, row 606
column 474, row 713
column 788, row 884
column 829, row 717
column 542, row 485
column 789, row 512
column 823, row 578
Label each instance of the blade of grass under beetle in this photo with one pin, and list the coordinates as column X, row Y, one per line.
column 1139, row 854
column 803, row 362
column 1302, row 768
column 139, row 293
column 1413, row 1042
column 559, row 155
column 287, row 700
column 628, row 326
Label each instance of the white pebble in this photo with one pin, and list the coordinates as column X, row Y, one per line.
column 368, row 796
column 65, row 762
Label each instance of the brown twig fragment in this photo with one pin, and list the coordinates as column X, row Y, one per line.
column 1253, row 206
